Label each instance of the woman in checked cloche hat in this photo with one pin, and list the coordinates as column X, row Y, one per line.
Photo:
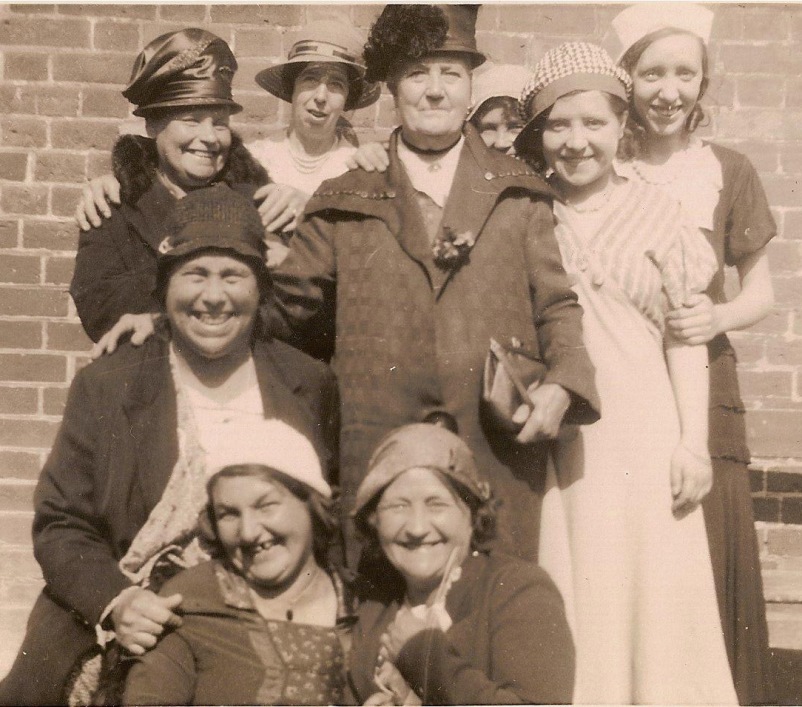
column 622, row 502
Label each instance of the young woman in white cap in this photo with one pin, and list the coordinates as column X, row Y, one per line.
column 664, row 47
column 265, row 621
column 622, row 511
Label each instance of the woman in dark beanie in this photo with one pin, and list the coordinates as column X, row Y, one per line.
column 181, row 85
column 453, row 245
column 117, row 502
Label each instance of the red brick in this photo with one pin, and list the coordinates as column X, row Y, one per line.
column 55, row 32
column 775, row 433
column 19, row 401
column 782, row 190
column 548, row 19
column 19, row 269
column 365, row 118
column 488, row 17
column 60, row 101
column 766, row 384
column 67, row 336
column 764, row 156
column 15, row 528
column 9, row 230
column 788, row 291
column 13, row 165
column 28, row 199
column 130, row 11
column 758, row 124
column 774, row 323
column 750, row 349
column 792, row 225
column 262, row 42
column 793, row 94
column 24, row 465
column 33, row 9
column 766, row 25
column 760, row 91
column 317, row 12
column 58, row 270
column 766, row 509
column 501, row 49
column 757, row 480
column 182, row 13
column 99, row 164
column 258, row 108
column 784, row 482
column 791, row 510
column 720, row 93
column 25, row 66
column 33, row 367
column 64, row 199
column 285, row 15
column 20, row 335
column 792, row 124
column 785, row 541
column 104, row 103
column 791, row 159
column 83, row 134
column 92, row 68
column 784, row 353
column 754, row 58
column 117, row 36
column 12, row 101
column 33, row 302
column 53, row 166
column 52, row 235
column 55, row 399
column 729, row 22
column 785, row 256
column 23, row 132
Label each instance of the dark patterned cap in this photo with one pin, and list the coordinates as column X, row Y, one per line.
column 216, row 218
column 190, row 67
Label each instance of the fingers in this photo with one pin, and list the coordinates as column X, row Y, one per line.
column 520, row 416
column 98, row 189
column 87, row 208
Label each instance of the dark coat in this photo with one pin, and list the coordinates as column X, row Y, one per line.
column 412, row 338
column 111, row 460
column 509, row 641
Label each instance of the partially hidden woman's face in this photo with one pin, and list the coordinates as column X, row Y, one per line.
column 667, row 81
column 498, row 126
column 192, row 144
column 432, row 97
column 580, row 139
column 419, row 520
column 318, row 98
column 211, row 302
column 264, row 529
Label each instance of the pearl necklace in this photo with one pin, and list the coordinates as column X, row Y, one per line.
column 306, row 164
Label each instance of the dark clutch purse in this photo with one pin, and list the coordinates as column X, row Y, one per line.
column 509, row 372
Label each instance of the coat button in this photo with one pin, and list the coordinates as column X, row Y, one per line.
column 489, row 176
column 363, row 194
column 391, row 194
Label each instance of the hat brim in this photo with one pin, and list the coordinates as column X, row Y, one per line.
column 361, row 94
column 142, row 111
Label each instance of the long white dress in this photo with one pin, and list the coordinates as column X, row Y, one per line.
column 637, row 581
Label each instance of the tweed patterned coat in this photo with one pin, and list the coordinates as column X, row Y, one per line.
column 412, row 338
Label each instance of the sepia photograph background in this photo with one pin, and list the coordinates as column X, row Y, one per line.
column 62, row 67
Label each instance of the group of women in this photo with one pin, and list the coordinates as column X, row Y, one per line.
column 186, row 523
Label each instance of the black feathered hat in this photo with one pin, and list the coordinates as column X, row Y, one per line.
column 404, row 33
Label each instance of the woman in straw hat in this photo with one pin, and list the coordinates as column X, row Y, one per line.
column 622, row 512
column 266, row 620
column 117, row 502
column 446, row 618
column 665, row 48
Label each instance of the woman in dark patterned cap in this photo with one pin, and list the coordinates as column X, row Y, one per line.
column 451, row 246
column 117, row 502
column 181, row 85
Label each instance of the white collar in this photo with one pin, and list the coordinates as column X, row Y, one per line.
column 432, row 177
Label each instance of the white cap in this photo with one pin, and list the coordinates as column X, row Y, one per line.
column 499, row 80
column 274, row 444
column 640, row 20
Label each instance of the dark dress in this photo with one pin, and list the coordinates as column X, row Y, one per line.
column 743, row 224
column 509, row 641
column 226, row 653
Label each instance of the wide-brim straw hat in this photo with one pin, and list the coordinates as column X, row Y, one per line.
column 328, row 42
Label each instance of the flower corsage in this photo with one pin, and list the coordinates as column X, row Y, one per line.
column 451, row 249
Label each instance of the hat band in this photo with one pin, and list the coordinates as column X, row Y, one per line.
column 190, row 91
column 322, row 49
column 576, row 82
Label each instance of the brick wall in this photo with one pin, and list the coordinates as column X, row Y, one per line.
column 61, row 71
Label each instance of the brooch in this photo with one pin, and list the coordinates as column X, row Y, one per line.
column 451, row 249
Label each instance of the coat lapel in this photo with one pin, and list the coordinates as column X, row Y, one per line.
column 150, row 212
column 280, row 387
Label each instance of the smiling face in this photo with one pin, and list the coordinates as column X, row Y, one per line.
column 419, row 520
column 432, row 97
column 318, row 98
column 211, row 302
column 192, row 144
column 580, row 141
column 667, row 82
column 265, row 530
